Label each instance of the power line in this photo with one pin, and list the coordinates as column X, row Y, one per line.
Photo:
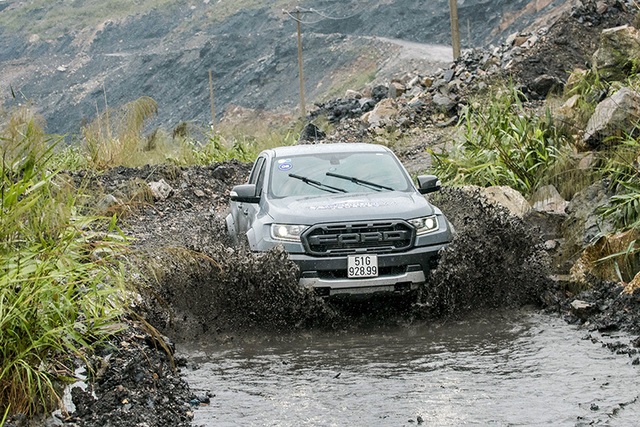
column 300, row 21
column 334, row 18
column 319, row 13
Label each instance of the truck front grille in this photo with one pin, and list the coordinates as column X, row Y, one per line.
column 361, row 237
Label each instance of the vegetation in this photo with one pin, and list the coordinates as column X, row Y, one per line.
column 60, row 294
column 53, row 18
column 61, row 287
column 502, row 143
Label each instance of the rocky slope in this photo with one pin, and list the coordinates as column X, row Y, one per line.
column 70, row 66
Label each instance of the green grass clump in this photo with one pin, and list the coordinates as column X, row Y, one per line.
column 59, row 292
column 502, row 143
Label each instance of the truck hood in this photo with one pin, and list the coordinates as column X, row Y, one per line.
column 349, row 207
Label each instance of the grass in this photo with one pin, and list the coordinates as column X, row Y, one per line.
column 502, row 143
column 60, row 294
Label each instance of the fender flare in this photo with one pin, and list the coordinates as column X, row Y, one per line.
column 231, row 229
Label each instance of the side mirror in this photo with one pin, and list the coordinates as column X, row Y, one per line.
column 245, row 193
column 428, row 184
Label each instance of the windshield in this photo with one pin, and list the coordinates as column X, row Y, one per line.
column 321, row 174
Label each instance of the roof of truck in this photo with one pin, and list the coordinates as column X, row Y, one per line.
column 339, row 147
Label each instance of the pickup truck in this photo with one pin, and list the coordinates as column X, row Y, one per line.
column 348, row 214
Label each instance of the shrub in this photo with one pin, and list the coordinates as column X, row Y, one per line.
column 59, row 292
column 502, row 143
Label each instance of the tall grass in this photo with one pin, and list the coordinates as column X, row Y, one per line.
column 502, row 143
column 59, row 290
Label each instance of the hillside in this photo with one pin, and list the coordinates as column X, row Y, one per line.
column 69, row 59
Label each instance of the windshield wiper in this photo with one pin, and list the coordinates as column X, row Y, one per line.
column 359, row 181
column 318, row 184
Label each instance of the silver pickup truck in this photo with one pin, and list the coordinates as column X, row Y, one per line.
column 347, row 214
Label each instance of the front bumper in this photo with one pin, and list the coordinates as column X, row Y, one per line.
column 399, row 272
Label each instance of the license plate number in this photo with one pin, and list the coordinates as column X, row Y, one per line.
column 362, row 266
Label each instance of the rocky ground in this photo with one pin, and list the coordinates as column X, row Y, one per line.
column 183, row 267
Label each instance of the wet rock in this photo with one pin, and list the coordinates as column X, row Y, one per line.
column 582, row 309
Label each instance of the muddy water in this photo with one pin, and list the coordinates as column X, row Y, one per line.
column 520, row 368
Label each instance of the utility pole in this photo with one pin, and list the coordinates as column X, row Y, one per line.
column 298, row 12
column 213, row 108
column 455, row 31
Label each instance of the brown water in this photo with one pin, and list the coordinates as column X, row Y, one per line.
column 521, row 368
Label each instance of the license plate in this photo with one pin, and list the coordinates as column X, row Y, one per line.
column 362, row 266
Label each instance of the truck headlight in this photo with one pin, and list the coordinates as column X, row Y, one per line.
column 287, row 232
column 425, row 225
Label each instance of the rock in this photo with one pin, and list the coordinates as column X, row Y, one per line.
column 508, row 198
column 352, row 94
column 599, row 260
column 614, row 116
column 396, row 89
column 311, row 133
column 448, row 75
column 383, row 113
column 632, row 286
column 443, row 103
column 379, row 92
column 547, row 199
column 582, row 309
column 619, row 51
column 543, row 85
column 160, row 190
column 583, row 223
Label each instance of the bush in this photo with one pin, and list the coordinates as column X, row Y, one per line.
column 502, row 144
column 59, row 292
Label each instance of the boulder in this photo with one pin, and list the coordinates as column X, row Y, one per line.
column 606, row 259
column 383, row 113
column 509, row 198
column 619, row 50
column 615, row 116
column 548, row 199
column 584, row 224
